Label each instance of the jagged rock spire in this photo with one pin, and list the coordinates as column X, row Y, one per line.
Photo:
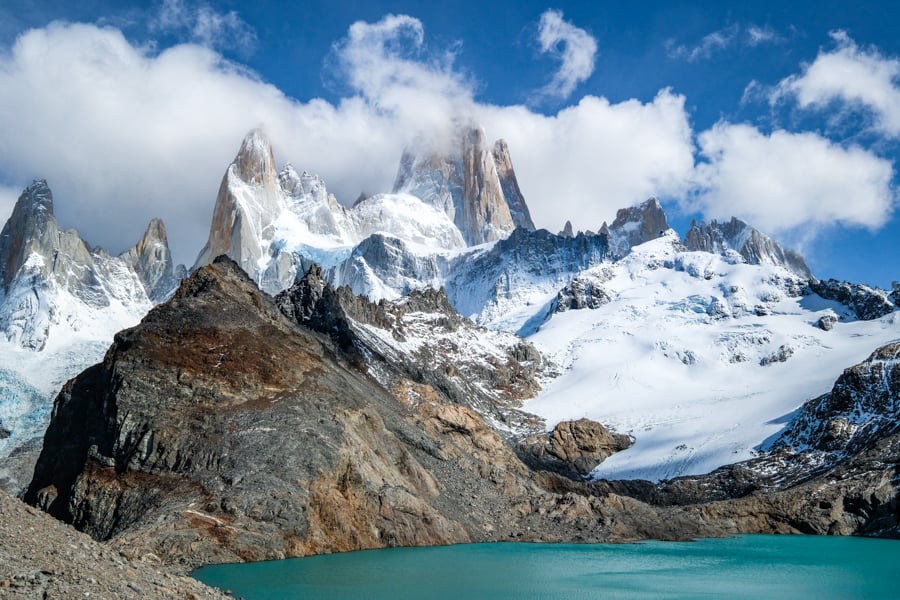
column 152, row 260
column 242, row 229
column 473, row 184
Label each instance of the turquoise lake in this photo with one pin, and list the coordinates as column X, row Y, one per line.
column 752, row 566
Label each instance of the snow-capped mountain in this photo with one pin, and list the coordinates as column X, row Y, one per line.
column 700, row 348
column 61, row 301
column 700, row 356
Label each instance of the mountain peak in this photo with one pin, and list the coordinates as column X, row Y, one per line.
column 152, row 261
column 637, row 224
column 239, row 228
column 753, row 245
column 31, row 228
column 474, row 184
column 255, row 162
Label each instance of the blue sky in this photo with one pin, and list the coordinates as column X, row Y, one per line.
column 784, row 114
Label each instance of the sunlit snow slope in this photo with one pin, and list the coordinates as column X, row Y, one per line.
column 697, row 355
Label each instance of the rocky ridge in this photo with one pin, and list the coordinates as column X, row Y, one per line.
column 865, row 302
column 258, row 438
column 754, row 246
column 422, row 338
column 49, row 274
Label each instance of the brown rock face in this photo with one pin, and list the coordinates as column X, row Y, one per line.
column 585, row 443
column 510, row 186
column 637, row 224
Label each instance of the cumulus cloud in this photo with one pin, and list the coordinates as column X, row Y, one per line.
column 204, row 25
column 574, row 47
column 789, row 183
column 386, row 64
column 124, row 134
column 590, row 159
column 857, row 77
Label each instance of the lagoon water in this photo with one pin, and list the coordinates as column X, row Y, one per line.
column 752, row 566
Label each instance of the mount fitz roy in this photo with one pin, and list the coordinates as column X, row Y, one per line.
column 648, row 360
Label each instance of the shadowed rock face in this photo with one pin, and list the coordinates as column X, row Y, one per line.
column 865, row 302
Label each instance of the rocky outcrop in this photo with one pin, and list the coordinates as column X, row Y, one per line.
column 470, row 184
column 585, row 291
column 636, row 225
column 751, row 244
column 423, row 339
column 43, row 558
column 572, row 448
column 865, row 302
column 862, row 407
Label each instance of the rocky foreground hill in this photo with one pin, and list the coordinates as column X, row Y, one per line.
column 223, row 429
column 43, row 558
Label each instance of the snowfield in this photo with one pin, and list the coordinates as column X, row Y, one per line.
column 699, row 356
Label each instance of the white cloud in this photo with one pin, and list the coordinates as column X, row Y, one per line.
column 860, row 78
column 123, row 135
column 734, row 35
column 593, row 158
column 712, row 42
column 386, row 64
column 204, row 25
column 790, row 184
column 575, row 48
column 757, row 36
